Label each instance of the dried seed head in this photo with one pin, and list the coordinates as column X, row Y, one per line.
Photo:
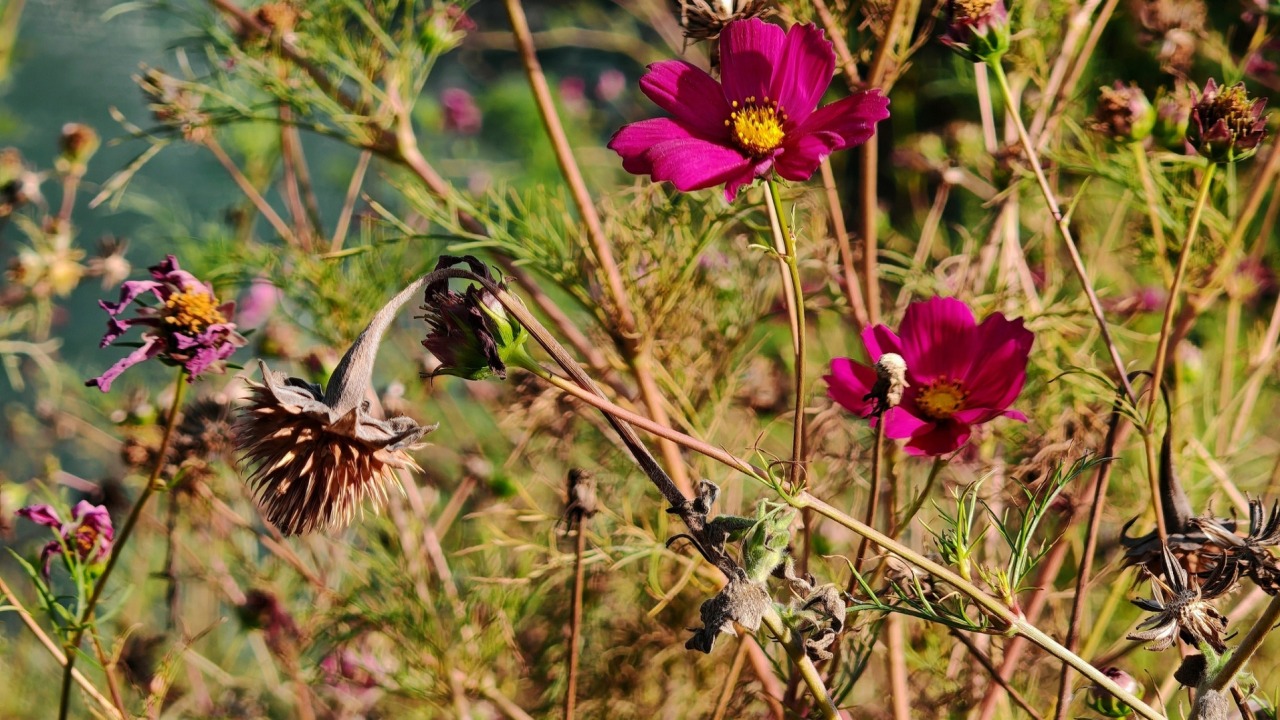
column 704, row 19
column 1124, row 114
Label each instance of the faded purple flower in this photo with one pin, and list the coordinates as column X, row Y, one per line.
column 188, row 327
column 89, row 534
column 461, row 114
column 761, row 118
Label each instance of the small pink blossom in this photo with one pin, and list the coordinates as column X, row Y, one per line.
column 461, row 114
column 960, row 374
column 761, row 118
column 89, row 534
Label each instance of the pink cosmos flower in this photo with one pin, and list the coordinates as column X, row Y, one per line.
column 89, row 534
column 961, row 374
column 188, row 326
column 762, row 116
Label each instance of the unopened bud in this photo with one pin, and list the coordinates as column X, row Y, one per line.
column 78, row 143
column 1103, row 702
column 1124, row 114
column 977, row 30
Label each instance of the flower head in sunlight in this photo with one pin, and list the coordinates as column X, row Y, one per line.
column 959, row 374
column 1181, row 608
column 186, row 327
column 315, row 460
column 761, row 118
column 88, row 534
column 1226, row 124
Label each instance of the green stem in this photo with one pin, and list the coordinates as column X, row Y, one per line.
column 1064, row 230
column 991, row 605
column 121, row 539
column 1153, row 208
column 934, row 472
column 1162, row 345
column 808, row 672
column 785, row 243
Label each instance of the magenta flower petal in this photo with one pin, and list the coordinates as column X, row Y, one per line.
column 996, row 378
column 899, row 424
column 848, row 383
column 692, row 96
column 935, row 337
column 853, row 118
column 694, row 164
column 803, row 72
column 880, row 340
column 41, row 515
column 942, row 439
column 633, row 142
column 803, row 155
column 151, row 347
column 749, row 50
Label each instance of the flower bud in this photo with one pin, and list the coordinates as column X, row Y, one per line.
column 78, row 143
column 1173, row 113
column 977, row 29
column 1104, row 703
column 1226, row 124
column 469, row 333
column 1124, row 114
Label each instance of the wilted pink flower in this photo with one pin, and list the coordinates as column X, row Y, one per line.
column 461, row 114
column 89, row 534
column 188, row 327
column 1226, row 124
column 762, row 117
column 959, row 374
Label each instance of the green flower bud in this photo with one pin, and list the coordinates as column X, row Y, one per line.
column 1104, row 703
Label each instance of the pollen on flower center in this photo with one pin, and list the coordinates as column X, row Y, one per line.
column 970, row 9
column 192, row 311
column 757, row 126
column 942, row 398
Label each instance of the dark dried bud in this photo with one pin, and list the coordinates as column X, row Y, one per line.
column 1226, row 124
column 1124, row 114
column 978, row 30
column 1104, row 703
column 470, row 333
column 705, row 19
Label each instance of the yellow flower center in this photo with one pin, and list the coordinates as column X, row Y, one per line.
column 192, row 311
column 757, row 126
column 942, row 398
column 971, row 9
column 84, row 540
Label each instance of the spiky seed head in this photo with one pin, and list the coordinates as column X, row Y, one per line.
column 314, row 467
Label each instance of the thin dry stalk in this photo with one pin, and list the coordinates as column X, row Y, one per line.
column 638, row 353
column 852, row 287
column 264, row 208
column 731, row 680
column 985, row 662
column 896, row 650
column 349, row 202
